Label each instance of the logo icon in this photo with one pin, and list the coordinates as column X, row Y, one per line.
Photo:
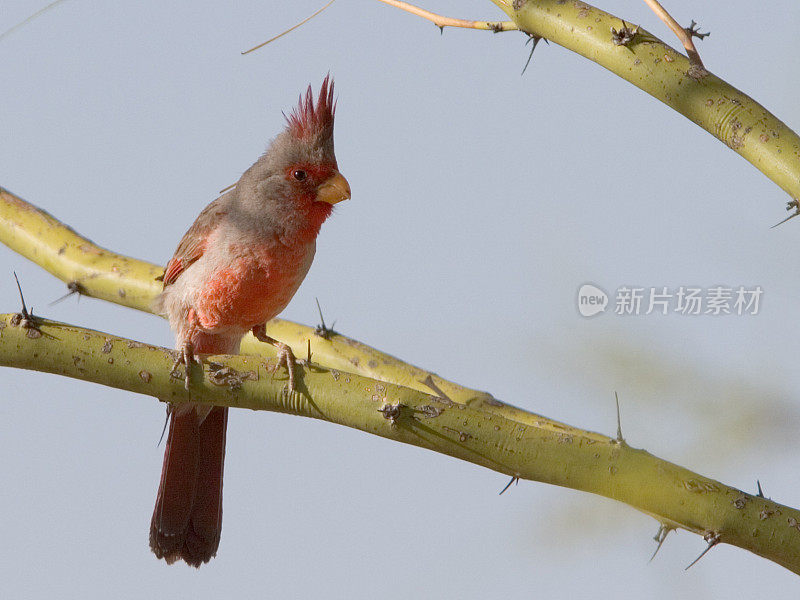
column 591, row 300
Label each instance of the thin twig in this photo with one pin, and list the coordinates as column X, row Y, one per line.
column 24, row 22
column 441, row 22
column 303, row 22
column 683, row 35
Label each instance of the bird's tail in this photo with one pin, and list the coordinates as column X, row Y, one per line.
column 187, row 520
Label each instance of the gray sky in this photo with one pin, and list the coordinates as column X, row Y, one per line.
column 482, row 201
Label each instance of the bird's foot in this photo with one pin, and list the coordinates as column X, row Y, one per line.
column 286, row 357
column 186, row 357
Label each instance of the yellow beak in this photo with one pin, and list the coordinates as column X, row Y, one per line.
column 334, row 189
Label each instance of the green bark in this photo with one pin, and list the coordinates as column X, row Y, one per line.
column 357, row 386
column 725, row 112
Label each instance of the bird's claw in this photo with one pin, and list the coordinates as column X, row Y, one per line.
column 286, row 359
column 186, row 357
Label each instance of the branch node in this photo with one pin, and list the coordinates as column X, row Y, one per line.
column 229, row 377
column 624, row 36
column 696, row 71
column 392, row 412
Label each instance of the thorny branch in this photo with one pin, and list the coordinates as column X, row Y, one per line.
column 354, row 385
column 681, row 83
column 441, row 22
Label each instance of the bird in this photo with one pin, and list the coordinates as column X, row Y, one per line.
column 237, row 267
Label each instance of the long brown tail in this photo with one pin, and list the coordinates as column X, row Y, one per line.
column 187, row 520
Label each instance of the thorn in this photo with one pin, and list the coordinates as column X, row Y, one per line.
column 514, row 480
column 712, row 539
column 441, row 29
column 321, row 318
column 308, row 360
column 789, row 218
column 25, row 318
column 225, row 189
column 789, row 206
column 660, row 536
column 74, row 288
column 760, row 493
column 620, row 439
column 694, row 31
column 536, row 40
column 24, row 312
column 166, row 420
column 323, row 330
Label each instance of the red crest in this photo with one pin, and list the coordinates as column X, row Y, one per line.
column 308, row 119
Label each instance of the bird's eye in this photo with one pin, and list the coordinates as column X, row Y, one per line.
column 299, row 174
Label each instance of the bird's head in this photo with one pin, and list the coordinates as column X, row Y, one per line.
column 297, row 180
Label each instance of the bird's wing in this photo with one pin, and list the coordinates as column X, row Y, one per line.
column 193, row 243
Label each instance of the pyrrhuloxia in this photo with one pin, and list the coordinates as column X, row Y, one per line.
column 236, row 268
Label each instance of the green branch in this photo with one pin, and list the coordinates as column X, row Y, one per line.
column 725, row 112
column 99, row 273
column 472, row 432
column 354, row 385
column 647, row 62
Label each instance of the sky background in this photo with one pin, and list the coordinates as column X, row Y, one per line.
column 482, row 200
